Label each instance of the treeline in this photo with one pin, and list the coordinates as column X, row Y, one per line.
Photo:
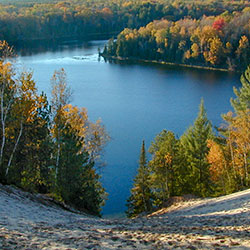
column 212, row 41
column 199, row 162
column 48, row 147
column 32, row 20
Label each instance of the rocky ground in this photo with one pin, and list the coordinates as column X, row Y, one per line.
column 29, row 222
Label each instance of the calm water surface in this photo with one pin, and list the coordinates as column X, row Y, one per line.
column 134, row 101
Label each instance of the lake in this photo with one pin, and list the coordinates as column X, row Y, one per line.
column 135, row 102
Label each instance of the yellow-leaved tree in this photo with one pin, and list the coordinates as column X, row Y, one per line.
column 230, row 159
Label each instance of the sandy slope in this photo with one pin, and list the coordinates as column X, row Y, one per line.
column 220, row 223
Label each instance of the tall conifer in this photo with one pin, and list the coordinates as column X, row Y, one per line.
column 242, row 101
column 140, row 198
column 164, row 177
column 194, row 142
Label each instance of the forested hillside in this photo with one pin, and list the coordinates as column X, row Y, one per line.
column 48, row 147
column 201, row 162
column 32, row 20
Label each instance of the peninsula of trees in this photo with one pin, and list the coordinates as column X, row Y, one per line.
column 221, row 41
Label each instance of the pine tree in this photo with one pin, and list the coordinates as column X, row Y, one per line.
column 164, row 167
column 90, row 195
column 242, row 101
column 77, row 181
column 194, row 142
column 70, row 163
column 140, row 198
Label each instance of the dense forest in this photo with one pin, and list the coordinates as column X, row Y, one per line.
column 221, row 41
column 32, row 20
column 201, row 162
column 48, row 147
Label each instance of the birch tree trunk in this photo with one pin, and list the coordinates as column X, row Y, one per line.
column 14, row 149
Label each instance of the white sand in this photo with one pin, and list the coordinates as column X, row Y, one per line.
column 218, row 223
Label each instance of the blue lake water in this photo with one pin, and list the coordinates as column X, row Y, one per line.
column 134, row 101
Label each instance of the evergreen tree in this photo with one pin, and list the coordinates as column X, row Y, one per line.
column 164, row 167
column 194, row 143
column 77, row 181
column 140, row 199
column 90, row 195
column 242, row 101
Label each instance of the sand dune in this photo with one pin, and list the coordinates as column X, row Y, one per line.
column 30, row 222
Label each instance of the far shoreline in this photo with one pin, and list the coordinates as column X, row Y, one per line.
column 133, row 59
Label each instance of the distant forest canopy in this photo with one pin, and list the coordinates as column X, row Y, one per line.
column 32, row 20
column 213, row 41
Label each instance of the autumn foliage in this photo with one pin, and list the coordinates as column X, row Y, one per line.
column 211, row 41
column 200, row 162
column 48, row 147
column 219, row 23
